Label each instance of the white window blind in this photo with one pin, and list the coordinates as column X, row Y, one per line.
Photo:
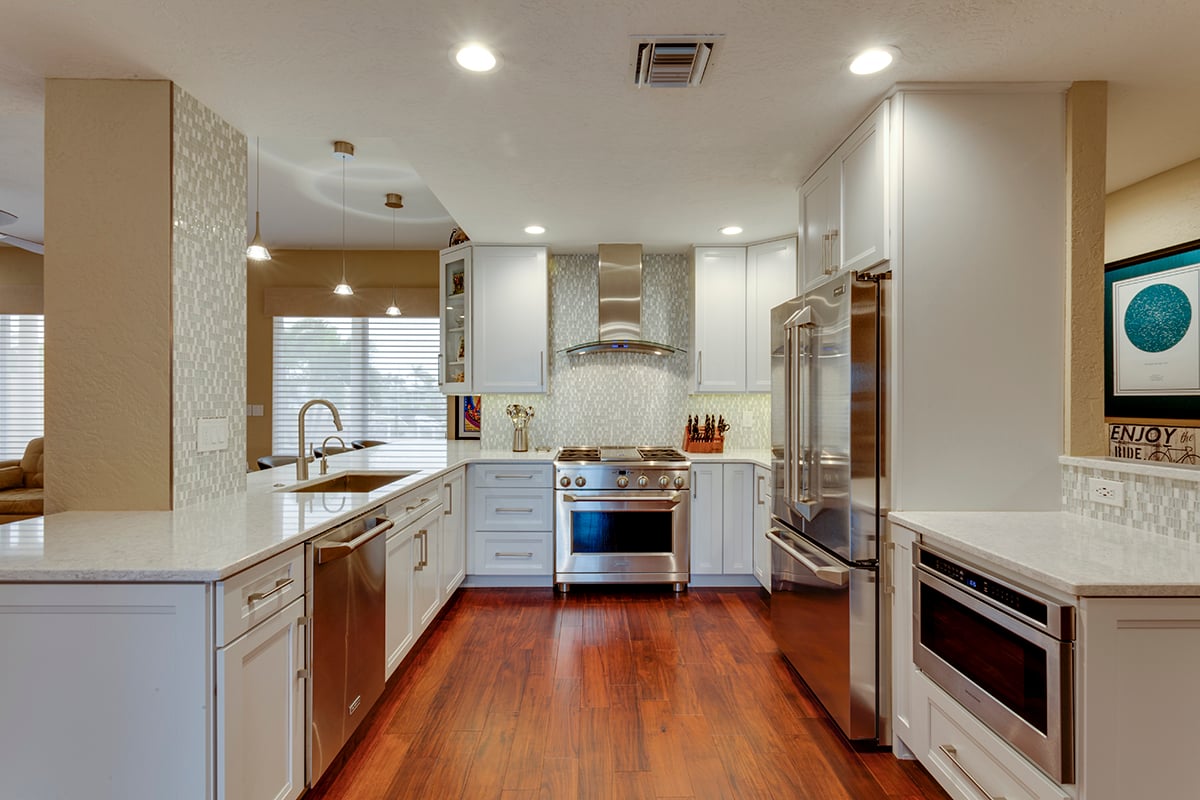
column 380, row 372
column 22, row 342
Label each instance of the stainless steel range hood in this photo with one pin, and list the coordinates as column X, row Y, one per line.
column 621, row 305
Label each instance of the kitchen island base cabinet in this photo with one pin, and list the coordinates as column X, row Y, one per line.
column 452, row 561
column 77, row 663
column 413, row 583
column 260, row 718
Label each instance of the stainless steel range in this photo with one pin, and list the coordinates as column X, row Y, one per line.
column 621, row 516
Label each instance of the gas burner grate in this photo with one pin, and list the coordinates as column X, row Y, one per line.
column 661, row 454
column 579, row 454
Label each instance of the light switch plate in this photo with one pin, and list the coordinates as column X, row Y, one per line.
column 212, row 433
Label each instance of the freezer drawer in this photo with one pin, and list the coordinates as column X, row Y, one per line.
column 823, row 615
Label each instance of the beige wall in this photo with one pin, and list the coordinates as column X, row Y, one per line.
column 316, row 269
column 108, row 295
column 1161, row 211
column 20, row 281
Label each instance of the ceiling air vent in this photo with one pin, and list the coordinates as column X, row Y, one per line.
column 671, row 61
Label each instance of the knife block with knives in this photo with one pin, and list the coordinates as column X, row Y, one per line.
column 705, row 436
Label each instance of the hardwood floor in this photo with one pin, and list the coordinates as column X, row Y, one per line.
column 629, row 694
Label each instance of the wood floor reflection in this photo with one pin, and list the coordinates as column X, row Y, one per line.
column 629, row 694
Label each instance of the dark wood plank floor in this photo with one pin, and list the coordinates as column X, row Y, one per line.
column 629, row 694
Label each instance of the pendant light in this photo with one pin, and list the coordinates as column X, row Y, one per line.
column 257, row 251
column 344, row 151
column 393, row 201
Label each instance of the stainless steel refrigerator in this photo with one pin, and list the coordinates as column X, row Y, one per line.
column 828, row 420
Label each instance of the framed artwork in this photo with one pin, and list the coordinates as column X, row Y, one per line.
column 466, row 416
column 1152, row 335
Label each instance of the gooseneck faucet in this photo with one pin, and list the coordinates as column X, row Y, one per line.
column 302, row 462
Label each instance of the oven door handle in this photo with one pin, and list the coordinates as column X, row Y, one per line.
column 673, row 499
column 830, row 574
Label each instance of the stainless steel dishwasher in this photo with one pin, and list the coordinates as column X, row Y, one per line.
column 346, row 599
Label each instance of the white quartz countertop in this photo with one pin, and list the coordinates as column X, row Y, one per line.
column 212, row 540
column 1066, row 552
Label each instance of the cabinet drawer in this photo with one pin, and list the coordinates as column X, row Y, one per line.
column 413, row 504
column 507, row 554
column 540, row 476
column 984, row 760
column 513, row 510
column 254, row 594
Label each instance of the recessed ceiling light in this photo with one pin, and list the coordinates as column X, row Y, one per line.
column 535, row 229
column 475, row 57
column 731, row 230
column 876, row 59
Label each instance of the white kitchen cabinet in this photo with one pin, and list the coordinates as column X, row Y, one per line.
column 495, row 319
column 260, row 710
column 719, row 319
column 770, row 280
column 905, row 726
column 844, row 208
column 722, row 518
column 399, row 620
column 427, row 587
column 762, row 521
column 511, row 520
column 733, row 291
column 452, row 563
column 820, row 218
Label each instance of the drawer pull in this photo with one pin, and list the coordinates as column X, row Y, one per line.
column 514, row 555
column 423, row 501
column 513, row 477
column 280, row 585
column 514, row 510
column 950, row 752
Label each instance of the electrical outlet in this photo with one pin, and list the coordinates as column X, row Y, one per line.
column 1109, row 493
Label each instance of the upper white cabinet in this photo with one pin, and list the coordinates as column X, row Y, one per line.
column 844, row 205
column 733, row 290
column 495, row 319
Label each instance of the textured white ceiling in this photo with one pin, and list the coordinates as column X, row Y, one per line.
column 558, row 135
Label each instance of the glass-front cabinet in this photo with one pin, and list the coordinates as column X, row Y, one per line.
column 454, row 362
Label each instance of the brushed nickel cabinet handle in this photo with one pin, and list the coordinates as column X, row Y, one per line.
column 280, row 585
column 514, row 510
column 950, row 752
column 449, row 509
column 422, row 502
column 526, row 477
column 514, row 555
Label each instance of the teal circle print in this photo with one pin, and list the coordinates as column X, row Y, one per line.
column 1157, row 318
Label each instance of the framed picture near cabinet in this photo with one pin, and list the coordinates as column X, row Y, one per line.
column 467, row 416
column 1152, row 335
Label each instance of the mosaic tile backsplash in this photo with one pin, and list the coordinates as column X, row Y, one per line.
column 209, row 299
column 621, row 398
column 1164, row 501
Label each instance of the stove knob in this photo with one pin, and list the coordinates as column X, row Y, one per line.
column 678, row 481
column 622, row 481
column 580, row 481
column 663, row 481
column 643, row 481
column 564, row 480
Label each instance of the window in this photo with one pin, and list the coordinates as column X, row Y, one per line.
column 380, row 372
column 22, row 342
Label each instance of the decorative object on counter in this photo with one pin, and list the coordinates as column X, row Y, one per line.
column 458, row 236
column 1165, row 444
column 1152, row 334
column 520, row 416
column 707, row 436
column 467, row 416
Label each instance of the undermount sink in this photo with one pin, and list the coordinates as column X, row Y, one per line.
column 351, row 482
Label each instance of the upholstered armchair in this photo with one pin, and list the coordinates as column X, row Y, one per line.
column 21, row 483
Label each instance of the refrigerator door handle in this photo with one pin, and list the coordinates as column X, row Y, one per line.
column 803, row 491
column 836, row 575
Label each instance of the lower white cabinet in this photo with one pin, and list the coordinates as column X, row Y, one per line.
column 427, row 587
column 399, row 628
column 260, row 710
column 722, row 518
column 511, row 519
column 899, row 585
column 452, row 562
column 761, row 546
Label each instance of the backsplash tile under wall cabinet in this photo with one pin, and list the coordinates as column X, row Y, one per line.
column 209, row 298
column 1162, row 500
column 621, row 398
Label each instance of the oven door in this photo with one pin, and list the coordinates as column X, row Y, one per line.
column 621, row 536
column 1015, row 678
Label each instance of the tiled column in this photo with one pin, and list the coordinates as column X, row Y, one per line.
column 144, row 296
